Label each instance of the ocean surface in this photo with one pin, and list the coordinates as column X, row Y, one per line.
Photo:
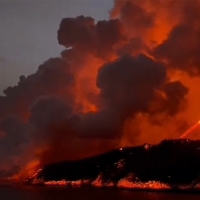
column 62, row 193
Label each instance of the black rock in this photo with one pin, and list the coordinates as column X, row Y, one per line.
column 175, row 163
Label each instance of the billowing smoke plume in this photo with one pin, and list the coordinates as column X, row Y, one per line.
column 127, row 86
column 124, row 81
column 181, row 48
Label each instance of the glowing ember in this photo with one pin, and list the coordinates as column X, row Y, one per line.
column 153, row 185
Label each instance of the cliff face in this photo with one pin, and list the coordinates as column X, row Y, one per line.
column 170, row 164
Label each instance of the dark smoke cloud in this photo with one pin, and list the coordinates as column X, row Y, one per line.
column 16, row 134
column 181, row 48
column 103, row 124
column 52, row 77
column 14, row 142
column 128, row 84
column 4, row 173
column 26, row 99
column 84, row 35
column 75, row 31
column 133, row 46
column 48, row 112
column 171, row 101
column 48, row 109
column 133, row 16
column 136, row 17
column 175, row 93
column 127, row 87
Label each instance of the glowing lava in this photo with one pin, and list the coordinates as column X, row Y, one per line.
column 190, row 130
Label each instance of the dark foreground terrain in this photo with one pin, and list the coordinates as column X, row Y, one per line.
column 82, row 193
column 169, row 165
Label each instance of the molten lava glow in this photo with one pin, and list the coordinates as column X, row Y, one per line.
column 191, row 130
column 153, row 185
column 31, row 169
column 98, row 182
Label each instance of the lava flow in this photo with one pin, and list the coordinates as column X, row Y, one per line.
column 191, row 130
column 142, row 167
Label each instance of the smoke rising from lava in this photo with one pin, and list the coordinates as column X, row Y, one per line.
column 124, row 81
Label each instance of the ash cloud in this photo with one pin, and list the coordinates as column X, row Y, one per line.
column 83, row 34
column 181, row 48
column 52, row 77
column 127, row 87
column 24, row 101
column 16, row 135
column 175, row 93
column 133, row 15
column 48, row 109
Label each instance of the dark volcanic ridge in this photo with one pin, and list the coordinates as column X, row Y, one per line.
column 169, row 165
